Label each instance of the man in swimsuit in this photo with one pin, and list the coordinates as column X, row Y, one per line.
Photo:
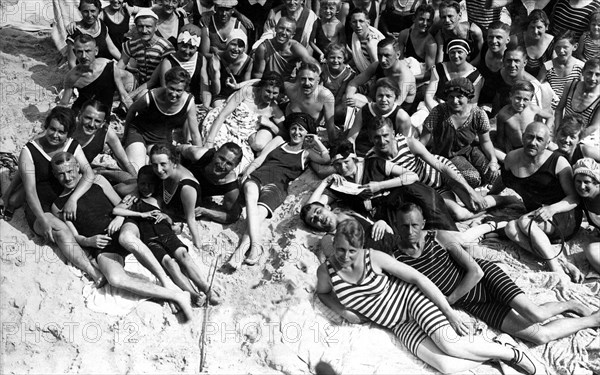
column 306, row 20
column 480, row 287
column 388, row 65
column 146, row 52
column 491, row 61
column 95, row 78
column 545, row 182
column 308, row 96
column 215, row 171
column 452, row 28
column 513, row 70
column 281, row 53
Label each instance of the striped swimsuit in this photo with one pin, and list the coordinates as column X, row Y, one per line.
column 427, row 174
column 488, row 300
column 587, row 113
column 391, row 303
column 558, row 83
column 590, row 49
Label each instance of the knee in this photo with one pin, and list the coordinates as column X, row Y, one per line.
column 257, row 143
column 127, row 239
column 538, row 335
column 170, row 264
column 592, row 253
column 511, row 230
column 115, row 279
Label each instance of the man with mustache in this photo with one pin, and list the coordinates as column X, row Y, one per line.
column 146, row 51
column 94, row 78
column 308, row 96
column 215, row 171
column 544, row 180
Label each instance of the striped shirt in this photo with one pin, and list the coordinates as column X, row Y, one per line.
column 591, row 49
column 565, row 17
column 147, row 57
column 588, row 112
column 558, row 82
column 478, row 13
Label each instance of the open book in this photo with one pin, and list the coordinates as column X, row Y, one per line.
column 347, row 187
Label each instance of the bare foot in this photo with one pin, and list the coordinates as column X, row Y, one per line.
column 183, row 299
column 215, row 294
column 573, row 272
column 256, row 251
column 579, row 308
column 236, row 259
column 197, row 300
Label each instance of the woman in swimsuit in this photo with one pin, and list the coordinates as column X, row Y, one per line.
column 538, row 43
column 583, row 98
column 586, row 175
column 367, row 285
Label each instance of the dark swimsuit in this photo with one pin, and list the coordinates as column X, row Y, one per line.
column 174, row 204
column 195, row 82
column 102, row 89
column 409, row 49
column 96, row 144
column 209, row 189
column 117, row 31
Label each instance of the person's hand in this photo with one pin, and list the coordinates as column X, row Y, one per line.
column 350, row 101
column 160, row 216
column 127, row 101
column 458, row 324
column 46, row 229
column 181, row 12
column 334, row 179
column 371, row 188
column 493, row 171
column 71, row 28
column 231, row 83
column 353, row 318
column 99, row 241
column 249, row 25
column 380, row 228
column 69, row 210
column 198, row 211
column 544, row 213
column 476, row 202
column 572, row 271
column 115, row 225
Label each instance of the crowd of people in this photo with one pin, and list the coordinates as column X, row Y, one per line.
column 415, row 114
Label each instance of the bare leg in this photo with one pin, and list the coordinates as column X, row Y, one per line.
column 257, row 214
column 193, row 272
column 136, row 152
column 522, row 321
column 592, row 253
column 129, row 238
column 259, row 140
column 476, row 348
column 475, row 233
column 112, row 266
column 70, row 248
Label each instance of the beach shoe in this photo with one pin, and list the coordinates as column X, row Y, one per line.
column 521, row 358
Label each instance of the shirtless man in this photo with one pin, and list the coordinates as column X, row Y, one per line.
column 281, row 53
column 544, row 180
column 97, row 78
column 215, row 171
column 388, row 65
column 480, row 287
column 513, row 118
column 95, row 229
column 452, row 28
column 308, row 96
column 418, row 43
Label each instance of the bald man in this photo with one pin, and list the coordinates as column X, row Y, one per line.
column 544, row 180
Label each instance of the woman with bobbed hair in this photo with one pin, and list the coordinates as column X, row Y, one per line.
column 453, row 127
column 163, row 115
